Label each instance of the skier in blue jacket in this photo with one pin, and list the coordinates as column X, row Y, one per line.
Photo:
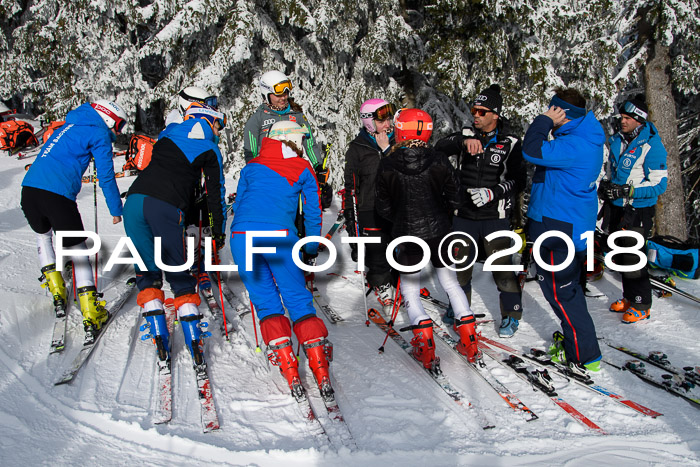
column 49, row 193
column 267, row 199
column 564, row 199
column 635, row 177
column 156, row 206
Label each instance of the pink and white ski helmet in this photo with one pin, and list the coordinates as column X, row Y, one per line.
column 368, row 112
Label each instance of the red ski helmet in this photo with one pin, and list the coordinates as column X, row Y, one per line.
column 413, row 124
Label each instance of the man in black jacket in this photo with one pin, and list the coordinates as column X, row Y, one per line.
column 489, row 161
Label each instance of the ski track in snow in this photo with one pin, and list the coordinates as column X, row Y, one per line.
column 396, row 414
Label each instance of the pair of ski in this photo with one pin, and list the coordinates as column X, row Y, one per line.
column 113, row 309
column 438, row 377
column 520, row 370
column 678, row 381
column 58, row 336
column 541, row 359
column 342, row 435
column 164, row 412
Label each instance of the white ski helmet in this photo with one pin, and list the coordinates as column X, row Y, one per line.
column 288, row 131
column 274, row 82
column 111, row 113
column 196, row 94
column 375, row 109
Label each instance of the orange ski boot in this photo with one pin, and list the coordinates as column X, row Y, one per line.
column 466, row 327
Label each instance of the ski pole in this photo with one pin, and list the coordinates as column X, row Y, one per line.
column 221, row 291
column 357, row 234
column 394, row 312
column 252, row 315
column 216, row 257
column 199, row 250
column 94, row 192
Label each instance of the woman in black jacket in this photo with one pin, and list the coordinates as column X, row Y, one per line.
column 416, row 190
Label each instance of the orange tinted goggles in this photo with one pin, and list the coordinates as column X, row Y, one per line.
column 282, row 87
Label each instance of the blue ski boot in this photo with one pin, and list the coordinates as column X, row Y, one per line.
column 157, row 330
column 508, row 327
column 192, row 329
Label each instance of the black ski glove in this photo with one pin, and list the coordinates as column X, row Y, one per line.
column 326, row 196
column 353, row 252
column 610, row 191
column 219, row 240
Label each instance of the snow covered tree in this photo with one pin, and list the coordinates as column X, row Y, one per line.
column 663, row 41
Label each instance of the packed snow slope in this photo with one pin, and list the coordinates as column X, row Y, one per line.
column 396, row 413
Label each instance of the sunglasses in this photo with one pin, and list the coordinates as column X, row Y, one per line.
column 480, row 112
column 281, row 88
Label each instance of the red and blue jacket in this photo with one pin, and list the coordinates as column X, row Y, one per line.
column 269, row 188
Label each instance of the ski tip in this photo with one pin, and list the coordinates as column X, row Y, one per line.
column 63, row 381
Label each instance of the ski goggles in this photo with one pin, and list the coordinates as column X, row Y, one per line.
column 631, row 109
column 282, row 87
column 197, row 110
column 119, row 123
column 211, row 101
column 380, row 114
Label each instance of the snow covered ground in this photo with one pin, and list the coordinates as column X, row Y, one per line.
column 396, row 413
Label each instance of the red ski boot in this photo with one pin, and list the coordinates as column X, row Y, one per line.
column 424, row 346
column 466, row 327
column 319, row 352
column 282, row 355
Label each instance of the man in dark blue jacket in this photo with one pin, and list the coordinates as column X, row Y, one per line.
column 49, row 194
column 636, row 176
column 564, row 199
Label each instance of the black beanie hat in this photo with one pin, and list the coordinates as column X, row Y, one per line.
column 490, row 98
column 636, row 108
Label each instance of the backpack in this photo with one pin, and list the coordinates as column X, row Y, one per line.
column 48, row 131
column 16, row 134
column 677, row 257
column 138, row 156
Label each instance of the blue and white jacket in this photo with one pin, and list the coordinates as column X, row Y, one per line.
column 641, row 164
column 65, row 157
column 563, row 193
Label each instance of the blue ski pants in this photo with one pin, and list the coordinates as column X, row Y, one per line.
column 563, row 291
column 145, row 218
column 273, row 278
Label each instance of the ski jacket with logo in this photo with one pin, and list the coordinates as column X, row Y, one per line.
column 641, row 164
column 258, row 126
column 500, row 168
column 417, row 189
column 361, row 164
column 563, row 193
column 269, row 188
column 179, row 156
column 63, row 160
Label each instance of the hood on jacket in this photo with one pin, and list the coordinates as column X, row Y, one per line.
column 85, row 115
column 412, row 161
column 587, row 125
